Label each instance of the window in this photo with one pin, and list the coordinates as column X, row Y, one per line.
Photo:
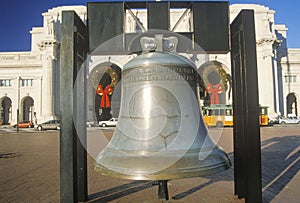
column 26, row 82
column 290, row 78
column 5, row 83
column 228, row 112
column 222, row 112
column 215, row 112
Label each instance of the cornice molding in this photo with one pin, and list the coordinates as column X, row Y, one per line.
column 268, row 41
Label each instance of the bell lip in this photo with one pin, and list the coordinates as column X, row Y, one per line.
column 165, row 174
column 179, row 169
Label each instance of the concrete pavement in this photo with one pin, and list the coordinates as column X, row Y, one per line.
column 29, row 172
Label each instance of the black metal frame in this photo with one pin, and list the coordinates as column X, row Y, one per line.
column 73, row 156
column 247, row 151
column 73, row 165
column 211, row 23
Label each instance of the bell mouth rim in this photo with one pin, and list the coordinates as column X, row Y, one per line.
column 161, row 152
column 189, row 165
column 166, row 174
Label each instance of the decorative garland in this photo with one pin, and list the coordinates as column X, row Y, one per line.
column 108, row 90
column 218, row 70
column 113, row 75
column 219, row 86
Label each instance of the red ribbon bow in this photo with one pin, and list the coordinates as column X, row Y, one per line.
column 214, row 93
column 105, row 95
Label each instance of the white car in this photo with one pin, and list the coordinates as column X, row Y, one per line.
column 110, row 122
column 91, row 124
column 49, row 125
column 293, row 119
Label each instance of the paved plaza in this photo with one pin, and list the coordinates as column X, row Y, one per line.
column 29, row 171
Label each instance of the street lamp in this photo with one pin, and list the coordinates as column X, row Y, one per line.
column 18, row 109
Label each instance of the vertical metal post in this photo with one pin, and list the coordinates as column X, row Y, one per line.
column 211, row 22
column 105, row 21
column 18, row 119
column 247, row 152
column 158, row 15
column 80, row 52
column 163, row 192
column 68, row 181
column 73, row 157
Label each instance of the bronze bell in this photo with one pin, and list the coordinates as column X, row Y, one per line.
column 160, row 133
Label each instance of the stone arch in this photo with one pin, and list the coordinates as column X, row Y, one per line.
column 5, row 110
column 27, row 108
column 292, row 104
column 104, row 79
column 215, row 82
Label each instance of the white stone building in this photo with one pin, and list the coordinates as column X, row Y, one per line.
column 29, row 81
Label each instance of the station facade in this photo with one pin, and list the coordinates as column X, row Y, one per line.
column 29, row 81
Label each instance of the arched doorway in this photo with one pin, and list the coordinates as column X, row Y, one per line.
column 215, row 83
column 104, row 78
column 291, row 104
column 27, row 108
column 5, row 108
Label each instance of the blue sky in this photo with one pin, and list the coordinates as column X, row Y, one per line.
column 19, row 16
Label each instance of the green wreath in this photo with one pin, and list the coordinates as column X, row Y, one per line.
column 105, row 69
column 217, row 69
column 113, row 75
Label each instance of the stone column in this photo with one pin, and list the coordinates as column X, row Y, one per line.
column 39, row 102
column 266, row 77
column 48, row 78
column 276, row 85
column 15, row 104
column 47, row 86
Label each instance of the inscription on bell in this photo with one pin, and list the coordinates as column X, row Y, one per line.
column 157, row 73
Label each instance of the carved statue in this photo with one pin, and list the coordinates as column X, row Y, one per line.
column 50, row 26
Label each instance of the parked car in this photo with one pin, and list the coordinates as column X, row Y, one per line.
column 49, row 125
column 274, row 120
column 24, row 124
column 91, row 124
column 292, row 119
column 110, row 122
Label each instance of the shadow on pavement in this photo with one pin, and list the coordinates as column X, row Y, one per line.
column 120, row 191
column 225, row 175
column 280, row 163
column 279, row 166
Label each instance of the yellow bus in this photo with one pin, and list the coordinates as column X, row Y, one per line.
column 263, row 115
column 221, row 115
